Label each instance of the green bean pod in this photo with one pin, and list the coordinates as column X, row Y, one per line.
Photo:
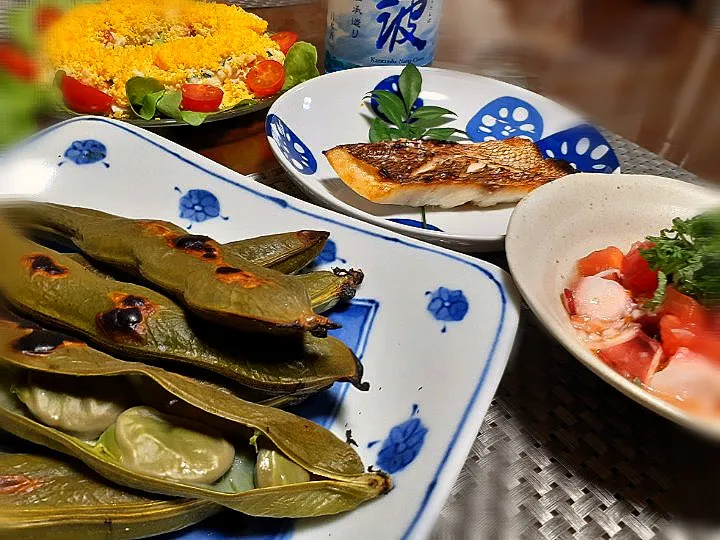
column 209, row 454
column 134, row 321
column 44, row 498
column 213, row 282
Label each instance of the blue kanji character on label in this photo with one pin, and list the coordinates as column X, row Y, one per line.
column 400, row 27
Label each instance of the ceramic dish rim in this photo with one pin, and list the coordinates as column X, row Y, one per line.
column 415, row 232
column 571, row 344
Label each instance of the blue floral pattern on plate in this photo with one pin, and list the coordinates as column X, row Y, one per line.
column 294, row 150
column 391, row 84
column 583, row 147
column 329, row 254
column 199, row 205
column 415, row 223
column 86, row 152
column 503, row 118
column 402, row 445
column 447, row 305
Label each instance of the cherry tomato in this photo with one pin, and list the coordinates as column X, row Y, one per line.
column 637, row 275
column 266, row 78
column 45, row 16
column 599, row 261
column 633, row 358
column 84, row 98
column 201, row 97
column 17, row 62
column 687, row 309
column 285, row 40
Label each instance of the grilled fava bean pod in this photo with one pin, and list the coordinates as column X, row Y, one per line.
column 285, row 252
column 131, row 320
column 325, row 289
column 328, row 289
column 211, row 281
column 210, row 453
column 44, row 498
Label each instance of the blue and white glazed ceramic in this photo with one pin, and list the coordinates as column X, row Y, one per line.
column 330, row 111
column 433, row 328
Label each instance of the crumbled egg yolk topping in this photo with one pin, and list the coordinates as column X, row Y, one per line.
column 173, row 41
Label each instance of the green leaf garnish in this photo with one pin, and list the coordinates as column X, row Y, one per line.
column 431, row 112
column 379, row 131
column 149, row 105
column 410, row 84
column 138, row 87
column 391, row 106
column 406, row 123
column 169, row 105
column 441, row 134
column 300, row 64
column 688, row 256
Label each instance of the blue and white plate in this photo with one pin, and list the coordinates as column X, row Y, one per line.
column 329, row 111
column 433, row 328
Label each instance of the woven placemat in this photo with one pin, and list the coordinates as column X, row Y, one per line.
column 561, row 454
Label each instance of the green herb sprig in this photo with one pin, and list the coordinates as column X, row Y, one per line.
column 406, row 122
column 687, row 255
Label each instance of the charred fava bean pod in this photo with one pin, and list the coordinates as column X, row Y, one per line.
column 211, row 281
column 208, row 453
column 44, row 498
column 131, row 320
column 285, row 252
column 325, row 289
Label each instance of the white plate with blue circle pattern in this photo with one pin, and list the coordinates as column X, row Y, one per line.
column 434, row 329
column 329, row 111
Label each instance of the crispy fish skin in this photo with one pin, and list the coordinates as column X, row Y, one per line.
column 446, row 174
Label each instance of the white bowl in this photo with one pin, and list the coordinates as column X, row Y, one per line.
column 563, row 221
column 329, row 111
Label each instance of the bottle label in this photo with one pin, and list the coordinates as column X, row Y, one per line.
column 381, row 32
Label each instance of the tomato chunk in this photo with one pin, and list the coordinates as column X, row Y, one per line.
column 84, row 98
column 266, row 78
column 568, row 300
column 637, row 275
column 676, row 334
column 599, row 261
column 637, row 358
column 687, row 309
column 285, row 40
column 16, row 61
column 201, row 97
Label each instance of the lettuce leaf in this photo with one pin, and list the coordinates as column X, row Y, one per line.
column 300, row 64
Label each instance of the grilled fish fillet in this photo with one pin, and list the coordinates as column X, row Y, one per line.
column 446, row 174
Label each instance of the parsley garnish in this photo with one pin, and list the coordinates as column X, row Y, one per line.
column 408, row 122
column 687, row 255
